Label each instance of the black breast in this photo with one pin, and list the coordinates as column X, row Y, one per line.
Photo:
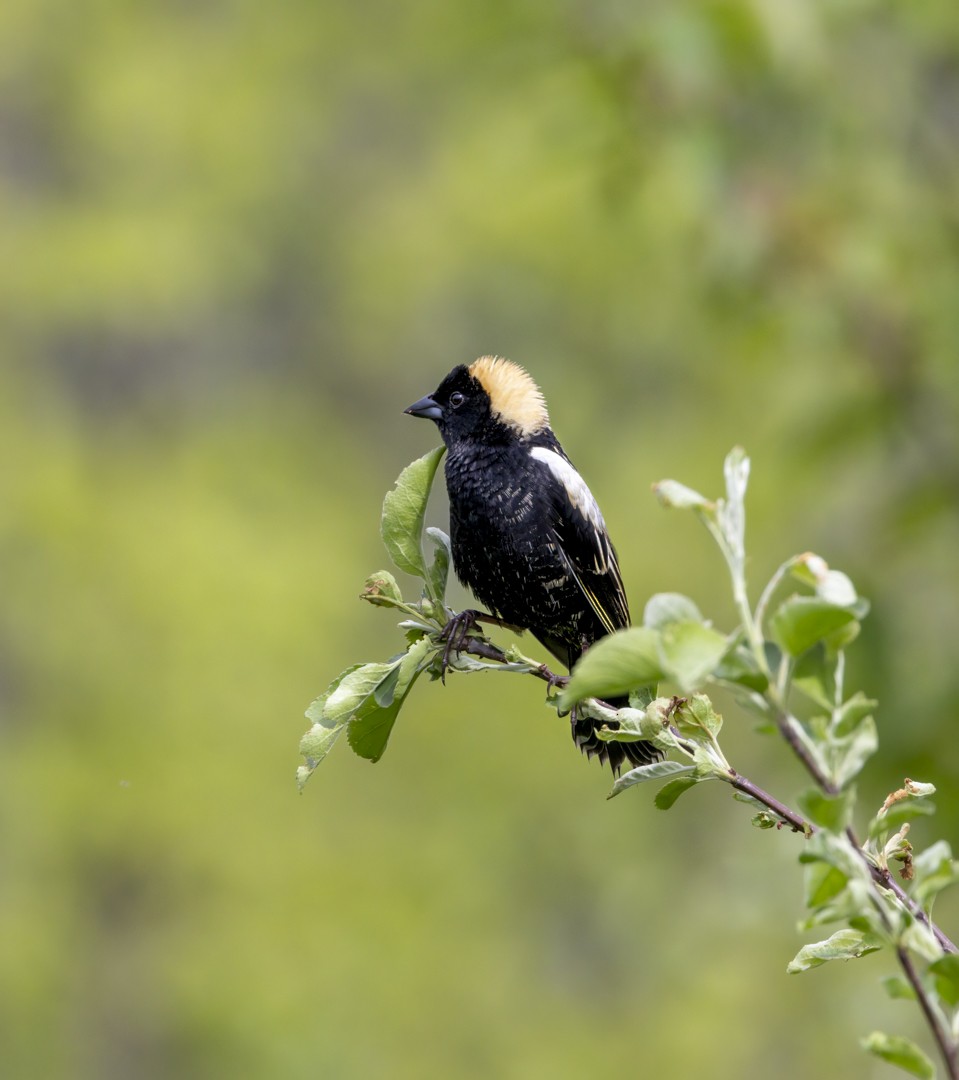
column 504, row 547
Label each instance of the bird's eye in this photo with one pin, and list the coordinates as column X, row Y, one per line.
column 457, row 399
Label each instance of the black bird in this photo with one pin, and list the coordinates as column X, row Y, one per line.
column 528, row 537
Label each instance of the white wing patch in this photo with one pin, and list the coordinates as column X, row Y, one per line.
column 579, row 495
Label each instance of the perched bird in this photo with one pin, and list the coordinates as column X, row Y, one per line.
column 528, row 537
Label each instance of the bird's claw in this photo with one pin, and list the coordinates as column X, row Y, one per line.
column 553, row 681
column 455, row 634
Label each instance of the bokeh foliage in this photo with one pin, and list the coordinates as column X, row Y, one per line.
column 238, row 240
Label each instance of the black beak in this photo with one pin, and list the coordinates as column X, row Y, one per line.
column 427, row 408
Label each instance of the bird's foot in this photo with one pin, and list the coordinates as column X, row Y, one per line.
column 553, row 681
column 457, row 631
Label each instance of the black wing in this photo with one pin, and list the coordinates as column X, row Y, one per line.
column 582, row 539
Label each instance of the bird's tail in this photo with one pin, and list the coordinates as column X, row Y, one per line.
column 616, row 754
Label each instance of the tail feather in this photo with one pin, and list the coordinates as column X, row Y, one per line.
column 616, row 754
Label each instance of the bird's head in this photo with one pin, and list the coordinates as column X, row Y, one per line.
column 491, row 399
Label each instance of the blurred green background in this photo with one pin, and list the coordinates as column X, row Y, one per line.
column 238, row 239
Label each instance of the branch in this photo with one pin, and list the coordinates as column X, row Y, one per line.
column 933, row 1019
column 786, row 724
column 780, row 810
column 484, row 648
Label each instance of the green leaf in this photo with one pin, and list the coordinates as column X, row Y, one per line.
column 640, row 698
column 314, row 746
column 632, row 725
column 673, row 494
column 836, row 850
column 670, row 607
column 854, row 751
column 381, row 590
column 843, row 945
column 690, row 652
column 898, row 988
column 403, row 511
column 669, row 793
column 836, row 587
column 741, row 796
column 945, row 971
column 642, row 774
column 898, row 814
column 900, row 1051
column 802, row 621
column 739, row 667
column 354, row 692
column 316, row 710
column 732, row 511
column 440, row 566
column 764, row 820
column 919, row 938
column 697, row 716
column 822, row 883
column 842, row 638
column 615, row 665
column 372, row 721
column 832, row 812
column 934, row 870
column 814, row 677
column 851, row 712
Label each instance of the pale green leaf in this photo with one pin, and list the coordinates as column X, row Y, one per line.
column 403, row 511
column 836, row 587
column 849, row 714
column 822, row 883
column 372, row 722
column 696, row 717
column 316, row 710
column 642, row 774
column 832, row 812
column 843, row 945
column 740, row 667
column 665, row 608
column 439, row 568
column 314, row 746
column 382, row 590
column 898, row 814
column 732, row 510
column 615, row 665
column 836, row 850
column 691, row 652
column 814, row 677
column 945, row 971
column 802, row 621
column 919, row 938
column 934, row 870
column 673, row 494
column 764, row 820
column 899, row 1051
column 669, row 793
column 855, row 750
column 898, row 988
column 355, row 691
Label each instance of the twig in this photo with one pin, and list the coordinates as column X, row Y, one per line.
column 488, row 651
column 933, row 1019
column 880, row 875
column 780, row 810
column 786, row 724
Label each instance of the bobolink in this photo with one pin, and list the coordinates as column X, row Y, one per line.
column 528, row 537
